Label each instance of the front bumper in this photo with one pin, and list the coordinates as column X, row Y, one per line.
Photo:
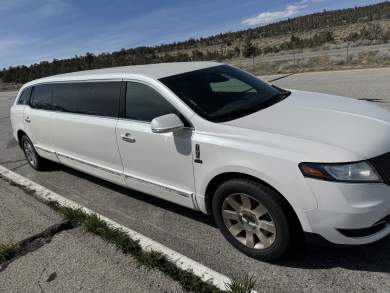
column 350, row 214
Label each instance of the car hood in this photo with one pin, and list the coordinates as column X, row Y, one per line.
column 355, row 126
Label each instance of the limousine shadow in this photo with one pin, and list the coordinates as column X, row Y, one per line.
column 372, row 258
column 166, row 205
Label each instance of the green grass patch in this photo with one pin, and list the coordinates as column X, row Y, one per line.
column 7, row 252
column 242, row 285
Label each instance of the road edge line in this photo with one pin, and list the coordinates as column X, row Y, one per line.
column 183, row 262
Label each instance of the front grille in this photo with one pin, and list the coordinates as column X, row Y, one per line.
column 382, row 166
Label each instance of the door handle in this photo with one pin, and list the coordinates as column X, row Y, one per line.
column 128, row 138
column 27, row 120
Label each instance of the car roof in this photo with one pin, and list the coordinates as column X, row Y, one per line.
column 154, row 71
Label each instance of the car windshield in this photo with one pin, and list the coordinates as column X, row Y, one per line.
column 223, row 93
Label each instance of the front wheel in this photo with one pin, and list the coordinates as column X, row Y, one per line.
column 253, row 218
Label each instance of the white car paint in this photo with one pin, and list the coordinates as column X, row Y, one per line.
column 268, row 145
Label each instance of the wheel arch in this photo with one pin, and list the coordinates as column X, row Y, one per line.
column 223, row 177
column 19, row 134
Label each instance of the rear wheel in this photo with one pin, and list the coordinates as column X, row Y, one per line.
column 33, row 159
column 253, row 218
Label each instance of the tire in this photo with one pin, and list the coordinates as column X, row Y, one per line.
column 32, row 157
column 254, row 218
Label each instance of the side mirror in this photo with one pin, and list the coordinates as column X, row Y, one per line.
column 166, row 123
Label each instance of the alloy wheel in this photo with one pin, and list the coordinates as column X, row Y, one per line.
column 30, row 153
column 248, row 221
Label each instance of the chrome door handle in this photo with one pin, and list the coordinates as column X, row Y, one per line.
column 27, row 120
column 127, row 137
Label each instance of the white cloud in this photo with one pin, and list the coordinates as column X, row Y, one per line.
column 268, row 17
column 273, row 16
column 309, row 1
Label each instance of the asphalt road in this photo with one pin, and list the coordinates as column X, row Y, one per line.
column 22, row 216
column 193, row 234
column 365, row 84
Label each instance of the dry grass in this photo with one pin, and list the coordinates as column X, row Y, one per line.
column 6, row 87
column 366, row 59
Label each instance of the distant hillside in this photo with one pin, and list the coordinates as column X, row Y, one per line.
column 321, row 20
column 370, row 23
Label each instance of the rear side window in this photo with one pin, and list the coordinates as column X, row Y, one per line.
column 144, row 103
column 92, row 98
column 42, row 97
column 24, row 98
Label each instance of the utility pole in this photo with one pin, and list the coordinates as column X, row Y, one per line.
column 347, row 52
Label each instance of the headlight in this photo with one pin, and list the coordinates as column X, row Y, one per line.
column 344, row 172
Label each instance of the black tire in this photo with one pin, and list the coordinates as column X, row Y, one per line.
column 38, row 163
column 277, row 210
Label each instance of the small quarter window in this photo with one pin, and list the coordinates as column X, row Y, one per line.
column 24, row 98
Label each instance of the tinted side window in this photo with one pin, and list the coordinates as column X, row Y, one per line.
column 24, row 98
column 93, row 98
column 42, row 97
column 144, row 104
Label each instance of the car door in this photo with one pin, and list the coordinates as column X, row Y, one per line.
column 17, row 110
column 158, row 164
column 82, row 127
column 37, row 120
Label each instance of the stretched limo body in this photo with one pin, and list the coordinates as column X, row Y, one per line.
column 267, row 163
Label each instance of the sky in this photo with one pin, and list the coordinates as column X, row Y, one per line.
column 41, row 30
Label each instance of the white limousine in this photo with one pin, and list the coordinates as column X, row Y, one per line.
column 271, row 165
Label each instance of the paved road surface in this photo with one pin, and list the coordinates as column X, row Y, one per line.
column 22, row 216
column 370, row 84
column 195, row 235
